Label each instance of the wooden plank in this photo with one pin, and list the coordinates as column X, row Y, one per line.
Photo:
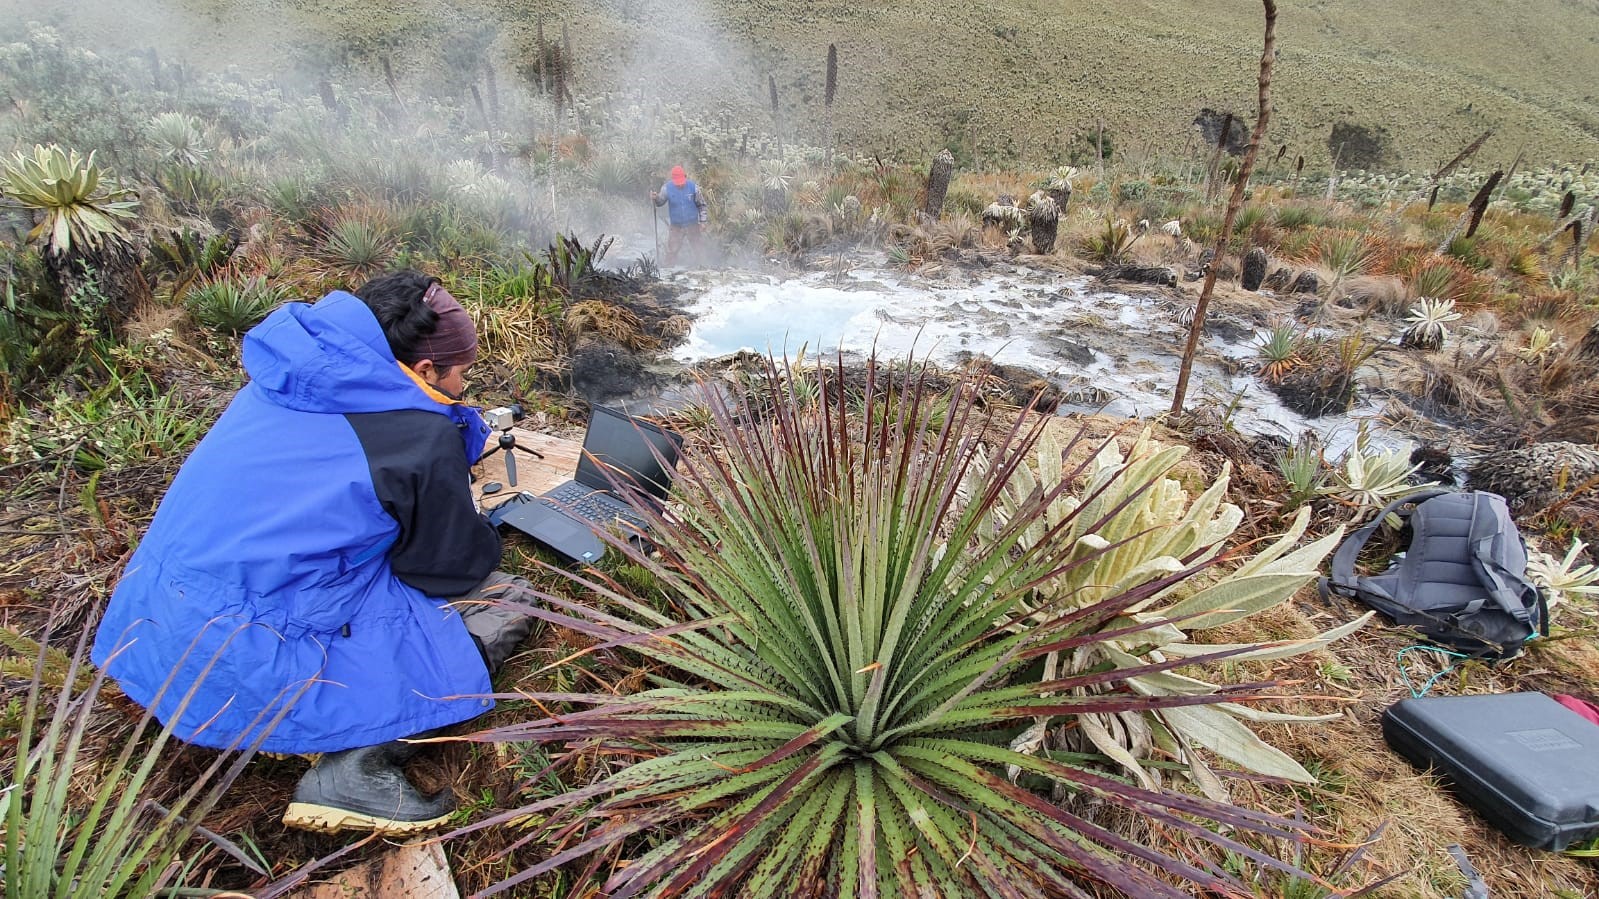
column 533, row 474
column 415, row 871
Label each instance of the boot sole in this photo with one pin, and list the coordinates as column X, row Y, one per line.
column 326, row 819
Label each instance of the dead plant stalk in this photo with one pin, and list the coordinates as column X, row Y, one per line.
column 1267, row 58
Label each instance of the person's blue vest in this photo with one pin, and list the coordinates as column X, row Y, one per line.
column 680, row 206
column 264, row 578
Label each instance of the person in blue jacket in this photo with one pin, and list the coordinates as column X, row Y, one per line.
column 685, row 212
column 317, row 578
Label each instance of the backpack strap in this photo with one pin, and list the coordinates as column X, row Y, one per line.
column 1484, row 529
column 1343, row 580
column 1496, row 577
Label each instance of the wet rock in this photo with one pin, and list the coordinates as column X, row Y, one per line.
column 1227, row 327
column 1307, row 282
column 1139, row 274
column 1255, row 263
column 1069, row 349
column 1279, row 279
column 873, row 286
column 1308, row 307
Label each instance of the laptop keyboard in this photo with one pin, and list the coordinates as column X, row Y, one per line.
column 594, row 505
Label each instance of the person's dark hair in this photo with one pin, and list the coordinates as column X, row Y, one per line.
column 396, row 300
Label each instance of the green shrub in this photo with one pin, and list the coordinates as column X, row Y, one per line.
column 1293, row 218
column 233, row 305
column 1466, row 250
column 361, row 242
column 1435, row 279
column 1248, row 219
column 1202, row 227
column 1303, row 468
column 298, row 197
column 1111, row 242
column 178, row 138
column 619, row 176
column 964, row 199
column 1132, row 190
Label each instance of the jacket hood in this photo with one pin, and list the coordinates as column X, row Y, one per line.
column 330, row 357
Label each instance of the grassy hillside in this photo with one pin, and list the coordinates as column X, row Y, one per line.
column 1013, row 80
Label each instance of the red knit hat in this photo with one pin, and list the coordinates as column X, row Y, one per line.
column 454, row 341
column 679, row 177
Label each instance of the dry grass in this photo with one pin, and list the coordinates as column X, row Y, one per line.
column 519, row 336
column 608, row 320
column 1381, row 295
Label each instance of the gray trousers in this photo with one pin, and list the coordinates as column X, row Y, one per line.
column 496, row 629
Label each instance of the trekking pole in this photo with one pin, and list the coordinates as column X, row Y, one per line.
column 655, row 218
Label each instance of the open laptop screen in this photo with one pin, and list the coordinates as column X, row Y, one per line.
column 628, row 447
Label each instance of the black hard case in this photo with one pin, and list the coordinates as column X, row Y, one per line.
column 1526, row 763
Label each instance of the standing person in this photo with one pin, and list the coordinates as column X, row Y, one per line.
column 308, row 552
column 685, row 211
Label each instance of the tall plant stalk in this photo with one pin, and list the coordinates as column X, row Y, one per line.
column 1267, row 58
column 777, row 122
column 827, row 95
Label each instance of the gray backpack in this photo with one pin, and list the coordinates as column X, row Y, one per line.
column 1461, row 580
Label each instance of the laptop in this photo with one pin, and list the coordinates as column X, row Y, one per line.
column 569, row 537
column 632, row 451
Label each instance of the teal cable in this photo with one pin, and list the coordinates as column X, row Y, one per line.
column 1431, row 681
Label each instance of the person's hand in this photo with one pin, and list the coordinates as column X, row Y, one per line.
column 655, row 195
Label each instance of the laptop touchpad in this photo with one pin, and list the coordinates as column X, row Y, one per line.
column 558, row 529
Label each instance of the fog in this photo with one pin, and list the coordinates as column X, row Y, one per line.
column 649, row 89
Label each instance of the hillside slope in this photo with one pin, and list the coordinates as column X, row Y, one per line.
column 1014, row 80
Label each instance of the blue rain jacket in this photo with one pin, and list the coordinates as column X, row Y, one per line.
column 303, row 551
column 682, row 203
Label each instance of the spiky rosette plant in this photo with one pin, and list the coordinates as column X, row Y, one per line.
column 1427, row 326
column 1279, row 352
column 835, row 694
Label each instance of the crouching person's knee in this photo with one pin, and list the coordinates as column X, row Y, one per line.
column 496, row 626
